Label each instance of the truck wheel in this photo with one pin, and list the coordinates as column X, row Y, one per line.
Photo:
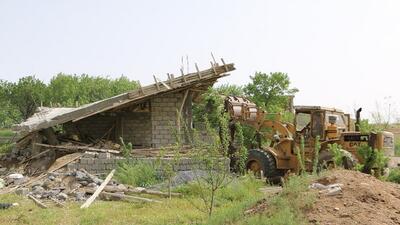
column 262, row 160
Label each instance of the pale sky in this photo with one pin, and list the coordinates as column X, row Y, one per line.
column 339, row 53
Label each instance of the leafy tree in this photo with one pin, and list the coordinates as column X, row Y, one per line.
column 270, row 91
column 8, row 113
column 26, row 95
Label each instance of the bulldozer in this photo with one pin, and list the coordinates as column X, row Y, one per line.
column 312, row 124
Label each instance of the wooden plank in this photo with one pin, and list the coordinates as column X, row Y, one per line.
column 140, row 88
column 225, row 67
column 213, row 67
column 156, row 82
column 90, row 200
column 183, row 76
column 62, row 161
column 82, row 148
column 163, row 83
column 38, row 202
column 125, row 197
column 198, row 71
column 35, row 156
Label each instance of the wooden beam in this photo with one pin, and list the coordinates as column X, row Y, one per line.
column 179, row 116
column 183, row 76
column 156, row 82
column 140, row 88
column 90, row 200
column 198, row 71
column 83, row 148
column 213, row 67
column 225, row 67
column 163, row 83
column 38, row 202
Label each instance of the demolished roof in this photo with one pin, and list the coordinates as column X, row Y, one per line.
column 49, row 117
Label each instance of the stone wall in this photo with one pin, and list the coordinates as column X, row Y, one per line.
column 101, row 163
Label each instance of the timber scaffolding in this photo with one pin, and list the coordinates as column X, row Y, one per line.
column 43, row 121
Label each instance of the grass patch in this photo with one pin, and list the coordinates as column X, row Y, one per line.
column 288, row 207
column 233, row 200
column 6, row 133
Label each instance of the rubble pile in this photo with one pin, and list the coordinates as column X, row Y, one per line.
column 73, row 185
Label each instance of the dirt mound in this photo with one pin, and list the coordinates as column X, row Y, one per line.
column 363, row 200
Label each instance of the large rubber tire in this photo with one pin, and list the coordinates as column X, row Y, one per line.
column 262, row 160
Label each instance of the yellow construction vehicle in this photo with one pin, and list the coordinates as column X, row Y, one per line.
column 330, row 125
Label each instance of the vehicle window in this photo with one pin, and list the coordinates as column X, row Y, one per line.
column 340, row 120
column 302, row 119
column 318, row 124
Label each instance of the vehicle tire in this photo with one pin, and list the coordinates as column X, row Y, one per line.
column 262, row 160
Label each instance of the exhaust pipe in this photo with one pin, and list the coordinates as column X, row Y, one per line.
column 358, row 119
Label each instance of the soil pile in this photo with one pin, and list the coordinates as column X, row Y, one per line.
column 363, row 200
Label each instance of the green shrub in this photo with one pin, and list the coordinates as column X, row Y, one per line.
column 337, row 154
column 397, row 147
column 126, row 149
column 6, row 148
column 373, row 160
column 137, row 174
column 394, row 175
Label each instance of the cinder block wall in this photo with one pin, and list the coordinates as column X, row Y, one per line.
column 164, row 118
column 95, row 126
column 101, row 163
column 137, row 128
column 156, row 128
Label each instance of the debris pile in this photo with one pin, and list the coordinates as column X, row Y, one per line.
column 351, row 197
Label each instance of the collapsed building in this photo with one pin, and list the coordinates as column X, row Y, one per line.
column 149, row 118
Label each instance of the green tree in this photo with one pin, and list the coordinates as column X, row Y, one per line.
column 26, row 95
column 8, row 113
column 270, row 91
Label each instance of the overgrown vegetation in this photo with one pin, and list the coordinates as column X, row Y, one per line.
column 6, row 148
column 288, row 207
column 137, row 173
column 374, row 161
column 394, row 175
column 317, row 148
column 337, row 154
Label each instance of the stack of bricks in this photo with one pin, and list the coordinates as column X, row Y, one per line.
column 164, row 118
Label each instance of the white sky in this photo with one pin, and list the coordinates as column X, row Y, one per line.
column 341, row 53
